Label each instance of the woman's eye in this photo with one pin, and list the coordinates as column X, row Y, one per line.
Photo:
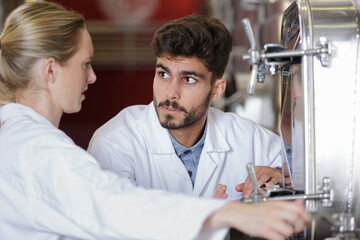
column 87, row 64
column 190, row 80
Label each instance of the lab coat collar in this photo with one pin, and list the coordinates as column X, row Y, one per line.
column 214, row 141
column 161, row 143
column 16, row 110
column 159, row 139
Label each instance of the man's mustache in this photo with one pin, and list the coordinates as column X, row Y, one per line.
column 174, row 105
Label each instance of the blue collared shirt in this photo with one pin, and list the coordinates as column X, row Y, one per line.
column 190, row 156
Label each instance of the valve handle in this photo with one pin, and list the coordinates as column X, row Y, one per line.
column 253, row 56
column 249, row 32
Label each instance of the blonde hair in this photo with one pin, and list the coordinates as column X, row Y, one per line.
column 35, row 30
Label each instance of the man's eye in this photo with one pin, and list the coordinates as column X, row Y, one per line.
column 163, row 75
column 190, row 80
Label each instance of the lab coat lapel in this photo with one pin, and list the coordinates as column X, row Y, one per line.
column 161, row 147
column 158, row 137
column 212, row 155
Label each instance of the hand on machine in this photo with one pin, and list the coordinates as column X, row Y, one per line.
column 261, row 176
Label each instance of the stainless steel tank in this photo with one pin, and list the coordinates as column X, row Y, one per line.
column 318, row 59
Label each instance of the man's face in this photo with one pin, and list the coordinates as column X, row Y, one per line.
column 182, row 91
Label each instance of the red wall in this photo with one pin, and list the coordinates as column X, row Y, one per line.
column 167, row 9
column 116, row 89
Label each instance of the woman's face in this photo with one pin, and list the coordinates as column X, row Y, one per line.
column 73, row 78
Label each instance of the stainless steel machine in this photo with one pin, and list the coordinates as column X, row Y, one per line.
column 319, row 62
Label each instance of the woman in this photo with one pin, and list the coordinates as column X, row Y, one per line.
column 52, row 189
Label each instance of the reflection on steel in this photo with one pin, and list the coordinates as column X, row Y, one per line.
column 319, row 62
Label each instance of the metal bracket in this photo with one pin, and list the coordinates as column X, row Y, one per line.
column 274, row 56
column 326, row 195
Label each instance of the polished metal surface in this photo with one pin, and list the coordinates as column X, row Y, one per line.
column 323, row 105
column 320, row 112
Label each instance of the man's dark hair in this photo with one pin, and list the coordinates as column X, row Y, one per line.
column 195, row 36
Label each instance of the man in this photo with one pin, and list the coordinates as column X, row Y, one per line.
column 178, row 143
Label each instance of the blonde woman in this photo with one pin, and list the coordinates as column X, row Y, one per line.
column 52, row 189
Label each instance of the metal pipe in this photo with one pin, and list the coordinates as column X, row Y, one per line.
column 318, row 196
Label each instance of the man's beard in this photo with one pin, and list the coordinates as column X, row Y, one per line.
column 190, row 118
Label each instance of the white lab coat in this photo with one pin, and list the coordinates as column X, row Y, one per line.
column 134, row 145
column 52, row 189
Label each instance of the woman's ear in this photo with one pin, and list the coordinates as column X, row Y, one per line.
column 49, row 69
column 218, row 89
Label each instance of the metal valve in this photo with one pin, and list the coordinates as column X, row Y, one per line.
column 275, row 57
column 253, row 54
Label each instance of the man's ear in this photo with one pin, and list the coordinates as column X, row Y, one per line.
column 49, row 69
column 218, row 89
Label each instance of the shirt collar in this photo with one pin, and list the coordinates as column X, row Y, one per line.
column 180, row 149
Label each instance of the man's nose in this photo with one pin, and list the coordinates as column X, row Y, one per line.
column 173, row 90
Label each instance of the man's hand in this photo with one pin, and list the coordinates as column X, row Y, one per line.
column 268, row 175
column 220, row 191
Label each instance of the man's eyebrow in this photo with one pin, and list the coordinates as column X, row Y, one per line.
column 196, row 74
column 159, row 65
column 185, row 73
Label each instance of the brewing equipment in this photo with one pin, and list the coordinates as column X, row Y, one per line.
column 318, row 59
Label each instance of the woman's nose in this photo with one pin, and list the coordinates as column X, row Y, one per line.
column 92, row 76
